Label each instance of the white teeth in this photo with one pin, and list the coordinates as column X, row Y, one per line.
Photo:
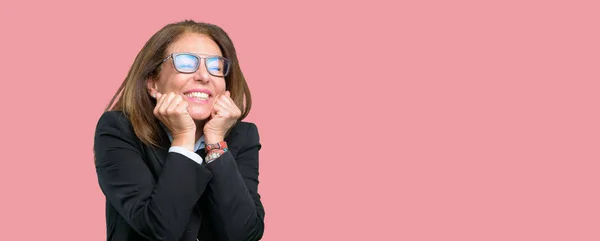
column 198, row 95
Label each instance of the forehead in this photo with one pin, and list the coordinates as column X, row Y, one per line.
column 195, row 43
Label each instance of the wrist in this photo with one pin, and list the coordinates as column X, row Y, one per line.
column 222, row 145
column 185, row 140
column 212, row 139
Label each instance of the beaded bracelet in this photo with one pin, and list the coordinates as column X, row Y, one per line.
column 214, row 154
column 214, row 151
column 220, row 145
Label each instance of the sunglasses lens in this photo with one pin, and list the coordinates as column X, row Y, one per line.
column 186, row 63
column 217, row 66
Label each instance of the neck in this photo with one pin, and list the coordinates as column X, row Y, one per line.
column 199, row 128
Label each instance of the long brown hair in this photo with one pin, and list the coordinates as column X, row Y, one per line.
column 132, row 97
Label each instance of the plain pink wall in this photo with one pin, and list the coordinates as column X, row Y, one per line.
column 414, row 120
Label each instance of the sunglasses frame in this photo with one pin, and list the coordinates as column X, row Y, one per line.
column 172, row 56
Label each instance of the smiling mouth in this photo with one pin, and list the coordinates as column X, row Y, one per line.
column 198, row 95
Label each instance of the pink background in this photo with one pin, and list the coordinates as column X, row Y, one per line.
column 436, row 120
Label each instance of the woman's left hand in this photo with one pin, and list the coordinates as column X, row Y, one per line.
column 224, row 115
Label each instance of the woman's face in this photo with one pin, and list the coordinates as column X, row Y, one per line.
column 199, row 88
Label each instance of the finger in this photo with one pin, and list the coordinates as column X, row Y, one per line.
column 161, row 104
column 215, row 109
column 224, row 109
column 182, row 107
column 212, row 105
column 229, row 104
column 178, row 106
column 166, row 103
column 213, row 113
column 227, row 93
column 170, row 97
column 222, row 98
column 174, row 105
column 226, row 98
column 160, row 98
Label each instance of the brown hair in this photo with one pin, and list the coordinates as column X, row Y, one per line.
column 132, row 97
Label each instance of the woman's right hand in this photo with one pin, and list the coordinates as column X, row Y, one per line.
column 171, row 110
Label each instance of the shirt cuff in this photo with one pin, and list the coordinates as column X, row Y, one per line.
column 187, row 153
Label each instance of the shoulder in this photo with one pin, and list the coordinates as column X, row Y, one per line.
column 113, row 119
column 114, row 123
column 115, row 132
column 243, row 135
column 244, row 126
column 245, row 129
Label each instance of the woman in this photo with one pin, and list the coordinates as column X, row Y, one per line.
column 172, row 155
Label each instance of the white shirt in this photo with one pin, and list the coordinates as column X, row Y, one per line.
column 181, row 150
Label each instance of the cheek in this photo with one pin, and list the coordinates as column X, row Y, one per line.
column 220, row 85
column 174, row 83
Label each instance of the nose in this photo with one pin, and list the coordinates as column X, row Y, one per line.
column 202, row 74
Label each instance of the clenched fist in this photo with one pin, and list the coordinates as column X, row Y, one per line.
column 224, row 115
column 171, row 110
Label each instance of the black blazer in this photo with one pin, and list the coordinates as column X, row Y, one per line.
column 153, row 194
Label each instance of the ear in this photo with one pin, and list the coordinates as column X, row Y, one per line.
column 151, row 87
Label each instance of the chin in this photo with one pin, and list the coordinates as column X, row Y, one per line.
column 200, row 116
column 199, row 113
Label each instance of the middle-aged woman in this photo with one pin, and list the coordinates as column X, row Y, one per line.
column 173, row 157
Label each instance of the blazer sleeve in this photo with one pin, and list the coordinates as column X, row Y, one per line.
column 235, row 205
column 157, row 208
